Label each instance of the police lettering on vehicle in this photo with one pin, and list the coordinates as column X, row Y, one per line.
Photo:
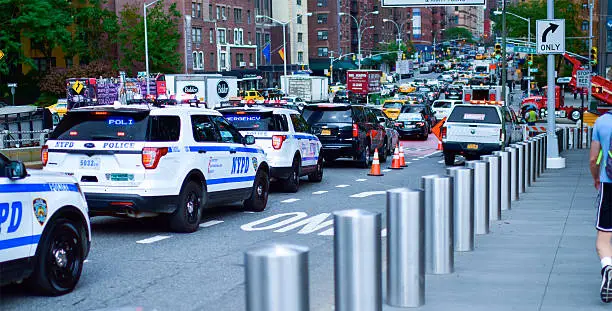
column 119, row 145
column 240, row 165
column 64, row 144
column 15, row 211
column 120, row 121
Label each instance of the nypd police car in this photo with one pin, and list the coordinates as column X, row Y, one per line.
column 292, row 151
column 142, row 161
column 44, row 229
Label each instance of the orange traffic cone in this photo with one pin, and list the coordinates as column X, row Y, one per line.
column 395, row 164
column 375, row 170
column 402, row 157
column 439, row 145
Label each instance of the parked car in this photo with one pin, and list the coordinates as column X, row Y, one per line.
column 347, row 131
column 391, row 129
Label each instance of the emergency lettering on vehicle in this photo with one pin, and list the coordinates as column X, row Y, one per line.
column 15, row 210
column 240, row 165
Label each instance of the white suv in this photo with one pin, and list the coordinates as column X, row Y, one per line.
column 142, row 161
column 44, row 229
column 292, row 151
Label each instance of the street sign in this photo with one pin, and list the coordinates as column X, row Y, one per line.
column 77, row 87
column 12, row 85
column 1, row 54
column 524, row 49
column 428, row 3
column 583, row 78
column 550, row 36
column 533, row 70
column 527, row 78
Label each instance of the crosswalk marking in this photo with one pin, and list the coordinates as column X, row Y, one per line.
column 361, row 179
column 320, row 192
column 342, row 186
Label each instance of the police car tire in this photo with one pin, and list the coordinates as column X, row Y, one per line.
column 183, row 220
column 317, row 176
column 44, row 280
column 258, row 201
column 292, row 184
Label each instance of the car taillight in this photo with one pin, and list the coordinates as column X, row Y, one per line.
column 492, row 97
column 399, row 124
column 277, row 141
column 443, row 132
column 152, row 155
column 355, row 130
column 420, row 123
column 44, row 155
column 468, row 97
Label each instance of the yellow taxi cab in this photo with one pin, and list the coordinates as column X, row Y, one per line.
column 392, row 107
column 252, row 95
column 479, row 57
column 58, row 110
column 406, row 88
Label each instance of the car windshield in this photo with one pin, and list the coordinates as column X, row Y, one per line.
column 392, row 105
column 474, row 114
column 316, row 114
column 341, row 93
column 442, row 104
column 412, row 109
column 256, row 120
column 480, row 69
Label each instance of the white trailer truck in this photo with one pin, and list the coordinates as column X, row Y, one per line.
column 310, row 88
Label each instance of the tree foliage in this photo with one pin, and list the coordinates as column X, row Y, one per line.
column 458, row 33
column 95, row 31
column 163, row 37
column 391, row 49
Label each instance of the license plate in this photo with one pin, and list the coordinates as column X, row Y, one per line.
column 472, row 146
column 325, row 132
column 89, row 163
column 408, row 126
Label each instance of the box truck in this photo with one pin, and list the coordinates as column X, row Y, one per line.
column 310, row 88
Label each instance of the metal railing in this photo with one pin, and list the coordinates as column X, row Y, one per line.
column 19, row 139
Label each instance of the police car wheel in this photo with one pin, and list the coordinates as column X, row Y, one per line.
column 318, row 175
column 259, row 195
column 187, row 216
column 60, row 262
column 292, row 184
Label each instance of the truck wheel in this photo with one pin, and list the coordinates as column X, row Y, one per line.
column 449, row 158
column 575, row 115
column 292, row 184
column 318, row 175
column 187, row 216
column 58, row 267
column 259, row 195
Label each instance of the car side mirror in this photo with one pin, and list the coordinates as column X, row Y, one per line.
column 16, row 170
column 249, row 140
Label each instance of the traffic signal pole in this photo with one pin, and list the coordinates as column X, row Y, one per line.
column 503, row 52
column 590, row 48
column 553, row 160
column 529, row 57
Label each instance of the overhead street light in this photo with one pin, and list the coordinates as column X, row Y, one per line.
column 359, row 31
column 528, row 20
column 145, row 6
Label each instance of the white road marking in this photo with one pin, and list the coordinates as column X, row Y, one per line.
column 86, row 261
column 289, row 200
column 342, row 186
column 408, row 163
column 154, row 239
column 435, row 152
column 210, row 223
column 386, row 170
column 441, row 161
column 249, row 212
column 366, row 194
column 361, row 179
column 320, row 192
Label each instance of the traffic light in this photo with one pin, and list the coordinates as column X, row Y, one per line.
column 403, row 55
column 530, row 59
column 593, row 56
column 354, row 57
column 498, row 49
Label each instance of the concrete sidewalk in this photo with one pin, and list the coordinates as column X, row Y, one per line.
column 541, row 256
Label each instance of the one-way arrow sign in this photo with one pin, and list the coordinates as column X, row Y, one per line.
column 550, row 36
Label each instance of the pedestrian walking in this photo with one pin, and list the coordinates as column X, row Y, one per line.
column 600, row 164
column 532, row 117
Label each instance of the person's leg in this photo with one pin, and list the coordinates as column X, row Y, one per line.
column 603, row 242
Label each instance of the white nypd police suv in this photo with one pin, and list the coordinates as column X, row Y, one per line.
column 142, row 161
column 292, row 151
column 44, row 229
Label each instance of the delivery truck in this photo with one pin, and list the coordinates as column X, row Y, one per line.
column 312, row 89
column 213, row 89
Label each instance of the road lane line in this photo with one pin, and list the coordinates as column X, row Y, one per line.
column 154, row 239
column 366, row 194
column 386, row 170
column 320, row 192
column 408, row 163
column 441, row 161
column 361, row 179
column 289, row 200
column 342, row 186
column 435, row 152
column 210, row 223
column 86, row 261
column 249, row 212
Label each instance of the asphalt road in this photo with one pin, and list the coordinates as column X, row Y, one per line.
column 138, row 265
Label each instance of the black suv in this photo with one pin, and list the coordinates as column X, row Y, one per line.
column 453, row 92
column 347, row 131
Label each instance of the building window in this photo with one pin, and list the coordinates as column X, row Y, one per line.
column 238, row 16
column 240, row 60
column 300, row 57
column 42, row 64
column 375, row 38
column 223, row 16
column 211, row 34
column 250, row 38
column 238, row 36
column 322, row 3
column 196, row 35
column 221, row 36
column 322, row 35
column 585, row 25
column 299, row 19
column 68, row 61
column 322, row 52
column 250, row 58
column 249, row 17
column 322, row 19
column 212, row 61
column 210, row 12
column 300, row 37
column 298, row 2
column 198, row 60
column 223, row 58
column 218, row 12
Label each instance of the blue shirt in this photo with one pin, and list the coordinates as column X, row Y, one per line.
column 602, row 131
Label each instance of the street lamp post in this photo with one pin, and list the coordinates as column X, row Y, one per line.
column 284, row 24
column 528, row 20
column 359, row 31
column 399, row 43
column 145, row 6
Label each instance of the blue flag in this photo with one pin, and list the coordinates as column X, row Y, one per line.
column 266, row 52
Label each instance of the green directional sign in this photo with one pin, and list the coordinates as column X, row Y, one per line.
column 524, row 49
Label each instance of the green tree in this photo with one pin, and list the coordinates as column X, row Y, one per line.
column 95, row 31
column 458, row 33
column 163, row 37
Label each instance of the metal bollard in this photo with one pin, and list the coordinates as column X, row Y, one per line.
column 527, row 171
column 504, row 157
column 532, row 161
column 575, row 132
column 543, row 156
column 439, row 253
column 405, row 248
column 534, row 157
column 566, row 133
column 357, row 260
column 520, row 167
column 276, row 278
column 538, row 141
column 513, row 179
column 463, row 207
column 481, row 195
column 494, row 186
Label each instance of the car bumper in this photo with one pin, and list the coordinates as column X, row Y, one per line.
column 338, row 150
column 412, row 132
column 280, row 172
column 462, row 147
column 129, row 204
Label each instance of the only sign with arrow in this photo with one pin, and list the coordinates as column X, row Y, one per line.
column 550, row 36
